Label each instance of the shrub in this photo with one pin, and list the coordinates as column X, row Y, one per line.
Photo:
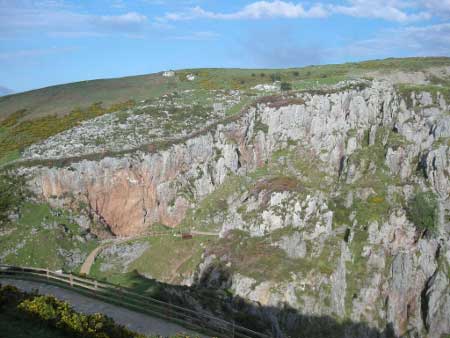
column 12, row 194
column 275, row 77
column 422, row 211
column 59, row 314
column 42, row 307
column 285, row 86
column 19, row 134
column 10, row 296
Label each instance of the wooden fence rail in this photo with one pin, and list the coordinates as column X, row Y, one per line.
column 125, row 297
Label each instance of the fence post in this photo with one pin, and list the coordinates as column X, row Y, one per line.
column 95, row 285
column 46, row 273
column 71, row 279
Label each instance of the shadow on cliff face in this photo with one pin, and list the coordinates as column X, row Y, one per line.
column 210, row 292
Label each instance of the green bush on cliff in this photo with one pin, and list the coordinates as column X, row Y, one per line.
column 12, row 194
column 285, row 86
column 422, row 211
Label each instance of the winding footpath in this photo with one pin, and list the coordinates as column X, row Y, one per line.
column 135, row 321
column 86, row 267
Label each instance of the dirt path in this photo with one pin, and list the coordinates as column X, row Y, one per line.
column 86, row 267
column 205, row 233
column 177, row 267
column 133, row 320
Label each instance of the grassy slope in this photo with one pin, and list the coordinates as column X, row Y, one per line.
column 33, row 116
column 160, row 261
column 64, row 98
column 31, row 243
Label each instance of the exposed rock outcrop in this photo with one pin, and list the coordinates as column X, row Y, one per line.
column 358, row 255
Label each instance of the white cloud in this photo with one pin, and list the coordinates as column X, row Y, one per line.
column 196, row 36
column 53, row 18
column 437, row 7
column 255, row 10
column 431, row 40
column 26, row 53
column 128, row 18
column 391, row 10
column 292, row 50
column 125, row 23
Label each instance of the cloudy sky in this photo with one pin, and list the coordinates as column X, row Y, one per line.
column 49, row 42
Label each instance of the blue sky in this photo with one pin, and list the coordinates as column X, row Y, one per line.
column 50, row 42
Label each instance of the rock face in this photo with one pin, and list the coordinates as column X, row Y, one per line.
column 130, row 194
column 367, row 261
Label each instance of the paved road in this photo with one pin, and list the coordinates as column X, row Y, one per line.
column 133, row 320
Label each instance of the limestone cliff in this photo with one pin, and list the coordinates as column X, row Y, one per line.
column 340, row 170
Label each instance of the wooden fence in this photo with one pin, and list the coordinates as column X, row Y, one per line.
column 190, row 319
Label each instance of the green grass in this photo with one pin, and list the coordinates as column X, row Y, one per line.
column 168, row 259
column 132, row 279
column 303, row 176
column 62, row 99
column 16, row 133
column 38, row 246
column 237, row 108
column 215, row 203
column 257, row 258
column 405, row 91
column 181, row 257
column 356, row 274
column 422, row 211
column 318, row 82
column 36, row 115
column 377, row 206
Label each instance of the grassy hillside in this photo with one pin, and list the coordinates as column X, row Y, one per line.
column 31, row 117
column 62, row 99
column 66, row 244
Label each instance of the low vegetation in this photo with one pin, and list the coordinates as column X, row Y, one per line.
column 443, row 89
column 178, row 263
column 66, row 243
column 16, row 132
column 12, row 195
column 285, row 86
column 422, row 211
column 58, row 317
column 29, row 314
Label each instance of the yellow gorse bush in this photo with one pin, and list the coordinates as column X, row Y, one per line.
column 16, row 133
column 60, row 315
